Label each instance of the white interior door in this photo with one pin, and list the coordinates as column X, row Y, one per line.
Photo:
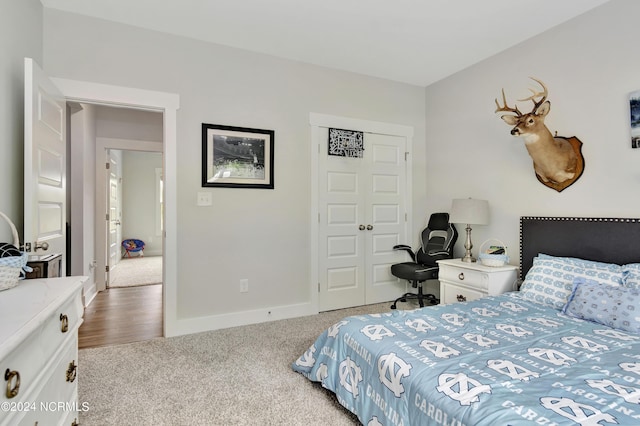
column 115, row 211
column 385, row 215
column 362, row 215
column 341, row 230
column 44, row 164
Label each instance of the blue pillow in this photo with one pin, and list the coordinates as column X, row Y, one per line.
column 550, row 279
column 613, row 306
column 631, row 275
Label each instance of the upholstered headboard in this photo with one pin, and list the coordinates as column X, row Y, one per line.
column 607, row 240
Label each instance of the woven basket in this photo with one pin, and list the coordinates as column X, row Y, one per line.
column 493, row 259
column 11, row 267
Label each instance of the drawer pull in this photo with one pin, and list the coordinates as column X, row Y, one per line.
column 461, row 298
column 75, row 423
column 461, row 276
column 72, row 371
column 64, row 323
column 9, row 376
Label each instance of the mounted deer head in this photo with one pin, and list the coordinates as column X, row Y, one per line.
column 557, row 161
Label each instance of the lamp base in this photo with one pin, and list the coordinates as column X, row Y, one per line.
column 468, row 257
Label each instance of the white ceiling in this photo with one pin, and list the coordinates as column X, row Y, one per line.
column 412, row 41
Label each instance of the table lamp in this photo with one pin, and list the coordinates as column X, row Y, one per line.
column 470, row 212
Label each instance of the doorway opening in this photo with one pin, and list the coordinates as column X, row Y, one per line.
column 135, row 204
column 121, row 189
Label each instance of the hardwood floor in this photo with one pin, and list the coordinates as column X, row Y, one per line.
column 122, row 315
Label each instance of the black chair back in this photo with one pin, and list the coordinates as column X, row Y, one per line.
column 438, row 239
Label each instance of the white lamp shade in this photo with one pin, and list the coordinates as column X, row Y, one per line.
column 470, row 211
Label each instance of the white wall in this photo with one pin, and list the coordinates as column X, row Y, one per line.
column 139, row 199
column 590, row 65
column 262, row 235
column 20, row 36
column 82, row 194
column 127, row 123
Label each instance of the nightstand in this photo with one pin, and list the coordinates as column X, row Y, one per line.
column 461, row 281
column 44, row 266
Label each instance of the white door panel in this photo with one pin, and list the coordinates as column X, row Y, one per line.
column 114, row 224
column 341, row 263
column 386, row 208
column 44, row 164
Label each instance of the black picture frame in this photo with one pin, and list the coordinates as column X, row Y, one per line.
column 237, row 157
column 634, row 108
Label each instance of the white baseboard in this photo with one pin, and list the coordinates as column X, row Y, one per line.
column 89, row 292
column 235, row 319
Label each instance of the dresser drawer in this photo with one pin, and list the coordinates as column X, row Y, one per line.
column 478, row 279
column 452, row 293
column 57, row 398
column 63, row 380
column 23, row 365
column 63, row 322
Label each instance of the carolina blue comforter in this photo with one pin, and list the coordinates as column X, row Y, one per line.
column 494, row 361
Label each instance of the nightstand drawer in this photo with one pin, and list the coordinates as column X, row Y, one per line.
column 452, row 293
column 468, row 277
column 473, row 280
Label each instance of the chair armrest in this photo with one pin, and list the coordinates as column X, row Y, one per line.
column 406, row 248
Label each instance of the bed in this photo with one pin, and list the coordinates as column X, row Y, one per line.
column 564, row 350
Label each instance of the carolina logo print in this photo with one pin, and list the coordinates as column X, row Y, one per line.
column 582, row 414
column 461, row 388
column 376, row 332
column 350, row 376
column 391, row 370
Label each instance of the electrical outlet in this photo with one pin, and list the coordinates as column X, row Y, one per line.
column 244, row 286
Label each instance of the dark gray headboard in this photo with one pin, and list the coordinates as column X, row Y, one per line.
column 607, row 240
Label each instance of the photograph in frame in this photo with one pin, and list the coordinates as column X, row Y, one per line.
column 237, row 157
column 634, row 108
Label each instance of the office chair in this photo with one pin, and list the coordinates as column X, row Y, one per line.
column 437, row 241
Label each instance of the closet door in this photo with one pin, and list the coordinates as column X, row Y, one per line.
column 341, row 229
column 361, row 215
column 385, row 215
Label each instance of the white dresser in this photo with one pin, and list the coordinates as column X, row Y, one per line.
column 462, row 281
column 39, row 321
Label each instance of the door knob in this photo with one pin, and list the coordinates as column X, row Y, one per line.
column 361, row 227
column 44, row 246
column 369, row 227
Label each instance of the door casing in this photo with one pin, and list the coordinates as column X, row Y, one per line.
column 102, row 145
column 168, row 104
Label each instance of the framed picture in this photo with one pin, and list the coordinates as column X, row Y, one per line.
column 634, row 107
column 237, row 157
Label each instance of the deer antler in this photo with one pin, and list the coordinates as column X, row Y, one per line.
column 507, row 108
column 544, row 93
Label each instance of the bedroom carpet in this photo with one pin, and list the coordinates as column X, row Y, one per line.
column 235, row 376
column 135, row 271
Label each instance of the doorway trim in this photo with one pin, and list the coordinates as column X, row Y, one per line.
column 168, row 104
column 102, row 145
column 318, row 121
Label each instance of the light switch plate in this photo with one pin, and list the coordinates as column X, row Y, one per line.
column 204, row 199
